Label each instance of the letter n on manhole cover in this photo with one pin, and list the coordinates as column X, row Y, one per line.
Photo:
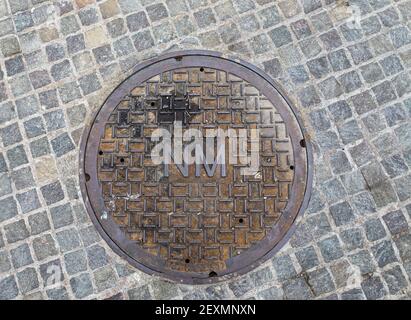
column 196, row 167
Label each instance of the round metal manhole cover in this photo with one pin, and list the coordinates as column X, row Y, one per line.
column 196, row 167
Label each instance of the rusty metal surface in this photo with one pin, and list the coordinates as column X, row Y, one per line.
column 194, row 228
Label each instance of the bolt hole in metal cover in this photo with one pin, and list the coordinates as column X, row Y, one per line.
column 214, row 217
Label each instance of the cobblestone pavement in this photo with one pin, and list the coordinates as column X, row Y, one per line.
column 347, row 67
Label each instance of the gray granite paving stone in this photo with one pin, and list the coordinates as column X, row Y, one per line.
column 10, row 135
column 75, row 43
column 396, row 222
column 360, row 52
column 141, row 293
column 89, row 83
column 374, row 229
column 48, row 99
column 374, row 122
column 363, row 102
column 352, row 239
column 400, row 36
column 307, row 258
column 69, row 24
column 262, row 276
column 57, row 294
column 8, row 288
column 69, row 92
column 330, row 248
column 61, row 216
column 297, row 289
column 103, row 54
column 54, row 120
column 88, row 16
column 81, row 286
column 243, row 5
column 402, row 187
column 331, row 88
column 383, row 194
column 284, row 268
column 395, row 280
column 342, row 213
column 39, row 223
column 123, row 46
column 333, row 190
column 22, row 178
column 165, row 290
column 116, row 27
column 96, row 256
column 340, row 110
column 350, row 81
column 350, row 132
column 51, row 273
column 118, row 296
column 105, row 278
column 44, row 247
column 403, row 245
column 301, row 236
column 143, row 40
column 3, row 164
column 89, row 236
column 137, row 21
column 34, row 127
column 385, row 143
column 61, row 70
column 372, row 72
column 16, row 231
column 363, row 260
column 331, row 40
column 52, row 192
column 319, row 67
column 62, row 144
column 280, row 36
column 68, row 240
column 39, row 147
column 9, row 208
column 9, row 46
column 402, row 84
column 373, row 288
column 7, row 113
column 395, row 114
column 384, row 253
column 20, row 85
column 320, row 281
column 298, row 74
column 319, row 225
column 5, row 184
column 241, row 287
column 21, row 256
column 353, row 182
column 184, row 26
column 384, row 93
column 14, row 65
column 5, row 264
column 309, row 97
column 27, row 280
column 75, row 262
column 17, row 156
column 339, row 60
column 353, row 294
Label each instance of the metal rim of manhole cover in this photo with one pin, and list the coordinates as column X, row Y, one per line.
column 196, row 167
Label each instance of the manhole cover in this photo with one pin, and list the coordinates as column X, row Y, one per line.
column 195, row 167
